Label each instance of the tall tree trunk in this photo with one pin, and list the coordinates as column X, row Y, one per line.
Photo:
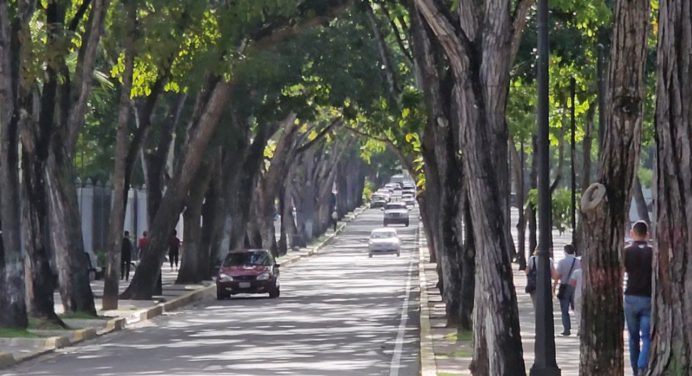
column 518, row 158
column 192, row 259
column 200, row 132
column 42, row 281
column 66, row 234
column 585, row 173
column 155, row 157
column 671, row 350
column 606, row 203
column 12, row 294
column 531, row 208
column 480, row 67
column 213, row 219
column 111, row 278
column 443, row 173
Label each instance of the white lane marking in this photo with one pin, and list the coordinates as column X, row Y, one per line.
column 399, row 344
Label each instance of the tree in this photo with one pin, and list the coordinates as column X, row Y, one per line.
column 605, row 203
column 256, row 33
column 479, row 59
column 672, row 328
column 11, row 256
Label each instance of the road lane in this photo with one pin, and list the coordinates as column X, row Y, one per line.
column 340, row 313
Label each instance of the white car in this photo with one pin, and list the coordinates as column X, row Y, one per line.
column 395, row 212
column 384, row 241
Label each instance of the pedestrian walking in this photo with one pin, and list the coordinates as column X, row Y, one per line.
column 174, row 250
column 142, row 243
column 335, row 219
column 565, row 294
column 125, row 257
column 638, row 265
column 531, row 272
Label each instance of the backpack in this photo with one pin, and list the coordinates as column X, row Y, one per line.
column 531, row 277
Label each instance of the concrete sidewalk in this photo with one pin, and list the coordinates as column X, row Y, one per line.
column 452, row 355
column 129, row 312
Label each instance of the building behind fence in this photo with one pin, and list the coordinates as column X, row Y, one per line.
column 95, row 200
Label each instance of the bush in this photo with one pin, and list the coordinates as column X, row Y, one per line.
column 368, row 190
column 561, row 206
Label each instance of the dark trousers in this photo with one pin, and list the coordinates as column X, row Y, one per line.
column 565, row 303
column 173, row 258
column 125, row 268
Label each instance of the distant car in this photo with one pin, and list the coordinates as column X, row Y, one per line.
column 395, row 213
column 378, row 202
column 384, row 241
column 409, row 200
column 251, row 271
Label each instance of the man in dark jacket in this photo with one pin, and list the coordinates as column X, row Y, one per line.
column 638, row 265
column 125, row 257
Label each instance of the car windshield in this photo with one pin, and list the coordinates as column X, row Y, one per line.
column 382, row 235
column 395, row 206
column 247, row 258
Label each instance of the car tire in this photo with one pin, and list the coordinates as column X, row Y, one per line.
column 406, row 224
column 398, row 254
column 221, row 295
column 370, row 255
column 275, row 292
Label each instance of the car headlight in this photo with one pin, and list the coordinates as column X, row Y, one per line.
column 263, row 276
column 225, row 278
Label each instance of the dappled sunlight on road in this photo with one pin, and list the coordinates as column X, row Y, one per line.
column 339, row 314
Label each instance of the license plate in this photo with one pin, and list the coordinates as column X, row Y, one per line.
column 244, row 285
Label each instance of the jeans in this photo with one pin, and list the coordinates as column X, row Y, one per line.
column 565, row 303
column 638, row 318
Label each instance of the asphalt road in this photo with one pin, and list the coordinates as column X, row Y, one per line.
column 340, row 313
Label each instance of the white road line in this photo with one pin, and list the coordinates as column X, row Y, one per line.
column 399, row 344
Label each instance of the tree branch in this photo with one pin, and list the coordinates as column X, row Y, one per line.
column 320, row 135
column 79, row 15
column 457, row 46
column 275, row 33
column 85, row 67
column 397, row 33
column 521, row 15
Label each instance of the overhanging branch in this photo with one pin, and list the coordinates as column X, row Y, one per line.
column 272, row 34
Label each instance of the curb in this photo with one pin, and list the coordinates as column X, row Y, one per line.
column 119, row 323
column 428, row 366
column 6, row 360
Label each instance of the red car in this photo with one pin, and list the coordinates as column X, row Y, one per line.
column 248, row 271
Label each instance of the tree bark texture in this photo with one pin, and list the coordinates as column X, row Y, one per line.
column 12, row 293
column 480, row 59
column 671, row 351
column 443, row 175
column 199, row 134
column 605, row 204
column 193, row 254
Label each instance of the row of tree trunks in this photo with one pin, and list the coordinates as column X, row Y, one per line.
column 200, row 130
column 443, row 174
column 480, row 60
column 193, row 256
column 605, row 203
column 671, row 351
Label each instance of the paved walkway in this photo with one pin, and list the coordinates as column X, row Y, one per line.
column 453, row 355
